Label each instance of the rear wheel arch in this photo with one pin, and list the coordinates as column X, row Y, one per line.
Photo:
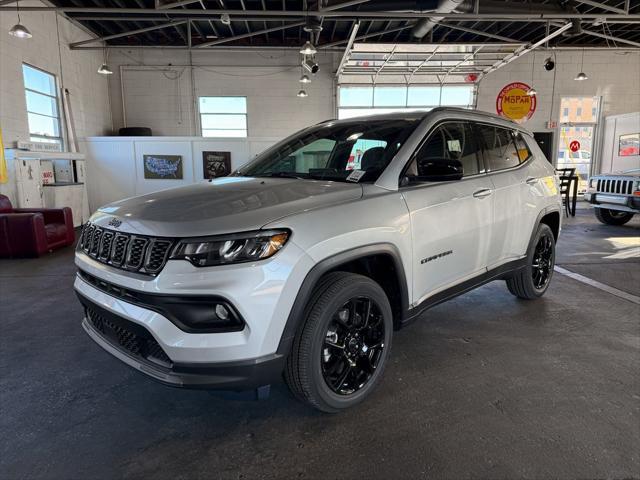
column 552, row 220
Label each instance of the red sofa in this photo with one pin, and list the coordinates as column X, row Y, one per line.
column 30, row 232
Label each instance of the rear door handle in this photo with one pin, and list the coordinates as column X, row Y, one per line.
column 482, row 193
column 531, row 180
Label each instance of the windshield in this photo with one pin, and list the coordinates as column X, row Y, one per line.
column 354, row 151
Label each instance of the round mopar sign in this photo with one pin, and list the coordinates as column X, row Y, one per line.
column 514, row 103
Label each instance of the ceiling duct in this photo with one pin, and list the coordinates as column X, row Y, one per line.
column 425, row 25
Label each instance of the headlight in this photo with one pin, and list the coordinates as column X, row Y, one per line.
column 222, row 250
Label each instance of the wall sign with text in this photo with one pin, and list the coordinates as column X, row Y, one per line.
column 514, row 103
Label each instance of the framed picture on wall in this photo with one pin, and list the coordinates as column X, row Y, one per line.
column 216, row 164
column 162, row 167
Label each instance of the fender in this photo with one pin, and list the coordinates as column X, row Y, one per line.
column 296, row 315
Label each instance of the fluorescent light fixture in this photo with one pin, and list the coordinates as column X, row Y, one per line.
column 308, row 49
column 20, row 31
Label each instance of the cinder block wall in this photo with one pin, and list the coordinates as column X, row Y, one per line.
column 88, row 89
column 614, row 75
column 161, row 89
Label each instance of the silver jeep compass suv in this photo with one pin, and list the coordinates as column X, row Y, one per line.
column 304, row 261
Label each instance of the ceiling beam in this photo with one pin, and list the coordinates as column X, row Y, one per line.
column 277, row 14
column 338, row 6
column 478, row 32
column 347, row 51
column 220, row 41
column 524, row 50
column 607, row 37
column 182, row 3
column 603, row 6
column 127, row 33
column 365, row 36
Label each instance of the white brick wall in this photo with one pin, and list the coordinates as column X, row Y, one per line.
column 269, row 81
column 88, row 90
column 613, row 75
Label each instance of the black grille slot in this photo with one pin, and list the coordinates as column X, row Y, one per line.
column 136, row 252
column 87, row 236
column 95, row 242
column 105, row 246
column 624, row 187
column 135, row 339
column 119, row 249
column 157, row 255
column 147, row 255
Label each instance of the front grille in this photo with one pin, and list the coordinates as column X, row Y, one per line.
column 606, row 185
column 135, row 339
column 135, row 253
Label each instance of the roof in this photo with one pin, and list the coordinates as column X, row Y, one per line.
column 283, row 23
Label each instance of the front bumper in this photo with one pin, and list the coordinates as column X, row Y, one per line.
column 137, row 347
column 625, row 203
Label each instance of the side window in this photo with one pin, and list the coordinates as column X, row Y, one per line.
column 499, row 148
column 451, row 141
column 523, row 149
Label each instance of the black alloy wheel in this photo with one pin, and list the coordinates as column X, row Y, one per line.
column 353, row 345
column 542, row 262
column 532, row 280
column 340, row 351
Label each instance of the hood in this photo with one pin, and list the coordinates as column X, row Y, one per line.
column 224, row 205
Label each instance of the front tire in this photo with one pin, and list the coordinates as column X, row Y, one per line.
column 533, row 280
column 612, row 217
column 340, row 351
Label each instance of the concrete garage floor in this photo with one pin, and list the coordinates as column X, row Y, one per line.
column 489, row 387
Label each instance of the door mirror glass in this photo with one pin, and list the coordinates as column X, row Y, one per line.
column 438, row 170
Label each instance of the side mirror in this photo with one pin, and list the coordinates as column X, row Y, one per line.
column 438, row 170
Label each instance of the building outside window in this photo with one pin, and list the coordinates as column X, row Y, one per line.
column 355, row 101
column 223, row 116
column 43, row 111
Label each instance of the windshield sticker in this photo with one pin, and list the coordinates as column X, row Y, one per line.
column 355, row 175
column 454, row 145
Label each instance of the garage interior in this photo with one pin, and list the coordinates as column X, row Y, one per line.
column 482, row 386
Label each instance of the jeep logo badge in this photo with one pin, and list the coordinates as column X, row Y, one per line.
column 114, row 222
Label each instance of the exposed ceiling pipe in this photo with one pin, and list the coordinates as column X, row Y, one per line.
column 425, row 25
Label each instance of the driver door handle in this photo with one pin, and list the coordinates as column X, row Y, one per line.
column 482, row 193
column 531, row 180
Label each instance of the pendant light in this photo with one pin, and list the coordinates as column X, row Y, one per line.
column 104, row 68
column 305, row 79
column 308, row 49
column 303, row 94
column 581, row 76
column 19, row 30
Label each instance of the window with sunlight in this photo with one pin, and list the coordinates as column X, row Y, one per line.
column 356, row 101
column 223, row 116
column 42, row 105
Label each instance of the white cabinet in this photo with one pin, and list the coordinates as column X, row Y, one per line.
column 50, row 180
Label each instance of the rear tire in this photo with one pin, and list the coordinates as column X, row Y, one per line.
column 341, row 349
column 612, row 217
column 533, row 280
